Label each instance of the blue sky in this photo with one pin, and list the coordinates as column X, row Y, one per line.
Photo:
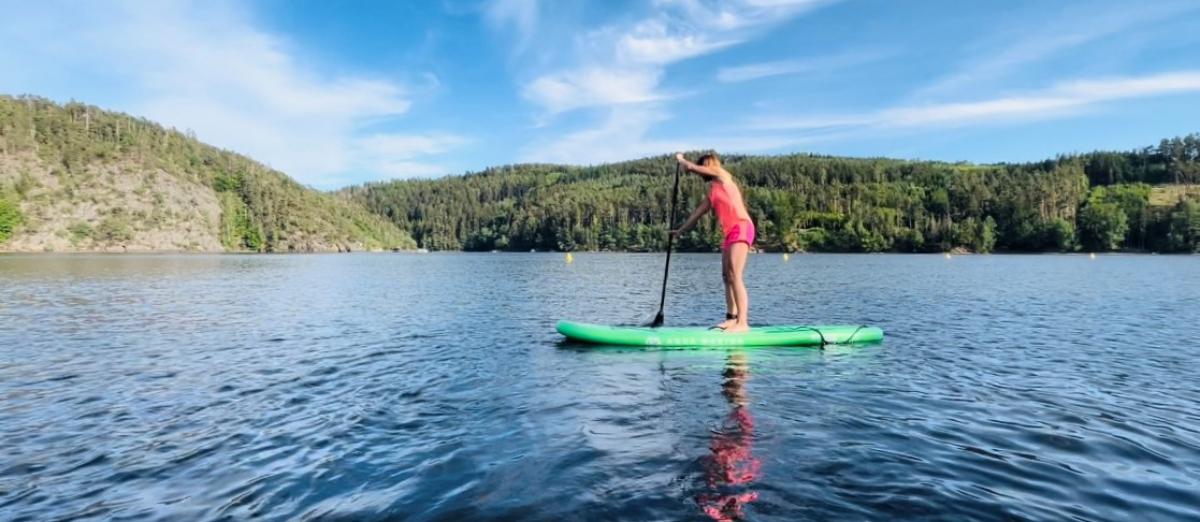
column 336, row 93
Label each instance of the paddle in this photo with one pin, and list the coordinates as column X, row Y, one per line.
column 658, row 319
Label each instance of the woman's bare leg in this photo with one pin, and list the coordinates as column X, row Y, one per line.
column 737, row 264
column 727, row 279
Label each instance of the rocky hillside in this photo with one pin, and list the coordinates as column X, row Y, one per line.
column 76, row 178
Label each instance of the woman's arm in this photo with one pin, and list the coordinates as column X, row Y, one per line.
column 692, row 167
column 701, row 209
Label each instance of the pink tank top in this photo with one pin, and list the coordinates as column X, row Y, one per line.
column 725, row 206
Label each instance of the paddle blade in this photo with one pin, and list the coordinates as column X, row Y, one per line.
column 657, row 322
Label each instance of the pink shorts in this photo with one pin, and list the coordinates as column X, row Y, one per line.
column 742, row 232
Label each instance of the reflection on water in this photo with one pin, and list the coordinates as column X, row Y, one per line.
column 732, row 468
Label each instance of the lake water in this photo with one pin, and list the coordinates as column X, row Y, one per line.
column 433, row 387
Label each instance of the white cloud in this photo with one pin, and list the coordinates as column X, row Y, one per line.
column 406, row 146
column 785, row 3
column 399, row 169
column 204, row 67
column 1034, row 41
column 595, row 86
column 809, row 122
column 725, row 15
column 652, row 42
column 628, row 60
column 520, row 14
column 1060, row 100
column 625, row 132
column 403, row 155
column 621, row 134
column 756, row 71
column 617, row 73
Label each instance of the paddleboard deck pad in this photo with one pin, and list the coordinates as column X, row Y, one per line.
column 699, row 336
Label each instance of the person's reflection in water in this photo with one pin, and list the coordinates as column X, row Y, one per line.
column 731, row 468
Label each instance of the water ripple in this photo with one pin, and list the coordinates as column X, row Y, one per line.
column 404, row 387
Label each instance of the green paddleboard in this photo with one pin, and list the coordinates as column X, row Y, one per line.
column 699, row 336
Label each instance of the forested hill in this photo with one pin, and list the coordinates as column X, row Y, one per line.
column 1143, row 200
column 77, row 178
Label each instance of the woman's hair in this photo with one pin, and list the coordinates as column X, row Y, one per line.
column 710, row 156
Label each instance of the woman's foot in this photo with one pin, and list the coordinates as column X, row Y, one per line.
column 738, row 327
column 726, row 325
column 730, row 320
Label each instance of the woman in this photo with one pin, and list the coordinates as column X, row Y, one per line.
column 725, row 200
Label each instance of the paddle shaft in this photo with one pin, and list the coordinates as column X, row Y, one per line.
column 662, row 301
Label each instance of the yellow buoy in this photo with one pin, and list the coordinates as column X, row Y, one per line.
column 570, row 258
column 1092, row 255
column 947, row 255
column 785, row 256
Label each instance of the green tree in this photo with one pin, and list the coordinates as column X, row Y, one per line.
column 10, row 218
column 986, row 239
column 1184, row 234
column 1134, row 201
column 1102, row 226
column 1060, row 235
